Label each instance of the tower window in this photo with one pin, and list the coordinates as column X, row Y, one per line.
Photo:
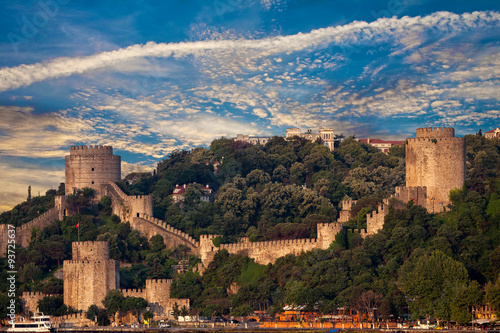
column 92, row 182
column 92, row 169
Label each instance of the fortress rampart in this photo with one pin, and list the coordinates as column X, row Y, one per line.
column 4, row 239
column 268, row 251
column 29, row 299
column 127, row 206
column 91, row 166
column 150, row 226
column 23, row 233
column 75, row 319
column 157, row 293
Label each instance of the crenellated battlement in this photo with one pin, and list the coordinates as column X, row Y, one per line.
column 36, row 294
column 90, row 158
column 90, row 250
column 375, row 219
column 51, row 214
column 362, row 232
column 168, row 228
column 91, row 150
column 435, row 140
column 158, row 281
column 435, row 132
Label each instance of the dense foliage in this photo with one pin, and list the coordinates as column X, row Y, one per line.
column 423, row 264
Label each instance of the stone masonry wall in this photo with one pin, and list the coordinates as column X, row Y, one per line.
column 72, row 320
column 23, row 233
column 127, row 206
column 417, row 194
column 90, row 251
column 157, row 293
column 87, row 282
column 345, row 213
column 149, row 227
column 435, row 159
column 29, row 299
column 375, row 220
column 91, row 166
column 4, row 239
column 267, row 252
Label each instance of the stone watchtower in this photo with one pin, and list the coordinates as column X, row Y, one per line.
column 435, row 159
column 91, row 166
column 90, row 275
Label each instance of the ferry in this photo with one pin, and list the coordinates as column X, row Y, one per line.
column 39, row 323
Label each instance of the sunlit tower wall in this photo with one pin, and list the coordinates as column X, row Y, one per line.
column 91, row 166
column 435, row 159
column 90, row 275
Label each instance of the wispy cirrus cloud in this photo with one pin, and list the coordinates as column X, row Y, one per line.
column 400, row 30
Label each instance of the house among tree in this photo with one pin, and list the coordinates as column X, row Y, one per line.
column 494, row 133
column 179, row 193
column 381, row 145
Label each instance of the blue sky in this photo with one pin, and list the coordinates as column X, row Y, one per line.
column 150, row 77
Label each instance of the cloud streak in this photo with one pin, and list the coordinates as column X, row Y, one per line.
column 355, row 33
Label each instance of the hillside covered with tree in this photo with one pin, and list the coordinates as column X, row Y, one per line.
column 429, row 265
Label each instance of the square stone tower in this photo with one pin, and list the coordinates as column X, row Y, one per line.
column 90, row 275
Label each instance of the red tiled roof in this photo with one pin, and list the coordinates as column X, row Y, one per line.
column 493, row 130
column 180, row 189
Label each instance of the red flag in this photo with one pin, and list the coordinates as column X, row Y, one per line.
column 77, row 225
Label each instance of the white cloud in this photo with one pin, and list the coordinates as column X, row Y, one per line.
column 244, row 50
column 260, row 113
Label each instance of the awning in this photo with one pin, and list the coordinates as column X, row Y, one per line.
column 483, row 321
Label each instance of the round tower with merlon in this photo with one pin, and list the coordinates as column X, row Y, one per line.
column 435, row 159
column 91, row 166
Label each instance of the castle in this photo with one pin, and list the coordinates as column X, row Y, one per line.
column 435, row 165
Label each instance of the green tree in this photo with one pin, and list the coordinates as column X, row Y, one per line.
column 176, row 311
column 52, row 305
column 113, row 302
column 431, row 282
column 242, row 310
column 493, row 295
column 134, row 304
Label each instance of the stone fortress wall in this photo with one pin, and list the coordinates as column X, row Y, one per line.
column 157, row 293
column 435, row 165
column 90, row 275
column 268, row 251
column 4, row 239
column 29, row 299
column 127, row 206
column 150, row 226
column 91, row 166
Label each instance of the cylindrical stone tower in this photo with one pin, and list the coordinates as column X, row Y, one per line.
column 91, row 166
column 435, row 159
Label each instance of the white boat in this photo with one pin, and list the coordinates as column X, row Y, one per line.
column 39, row 323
